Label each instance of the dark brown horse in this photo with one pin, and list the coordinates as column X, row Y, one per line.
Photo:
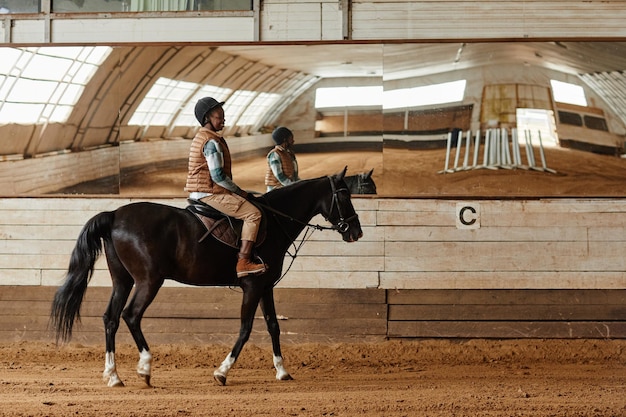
column 147, row 243
column 361, row 183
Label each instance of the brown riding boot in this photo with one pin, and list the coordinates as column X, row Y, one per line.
column 245, row 265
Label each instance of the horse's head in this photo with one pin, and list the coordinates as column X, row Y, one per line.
column 339, row 210
column 366, row 184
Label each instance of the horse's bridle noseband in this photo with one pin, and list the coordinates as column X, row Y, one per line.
column 343, row 224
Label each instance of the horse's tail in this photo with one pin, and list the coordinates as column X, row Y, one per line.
column 68, row 298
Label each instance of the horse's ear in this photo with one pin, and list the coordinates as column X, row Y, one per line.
column 369, row 174
column 342, row 173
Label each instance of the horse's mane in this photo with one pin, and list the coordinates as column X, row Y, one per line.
column 279, row 193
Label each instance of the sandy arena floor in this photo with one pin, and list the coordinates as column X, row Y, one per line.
column 395, row 378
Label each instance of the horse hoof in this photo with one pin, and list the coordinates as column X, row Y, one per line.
column 115, row 384
column 220, row 379
column 286, row 377
column 146, row 379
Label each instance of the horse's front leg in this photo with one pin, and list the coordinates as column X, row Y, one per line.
column 248, row 308
column 269, row 313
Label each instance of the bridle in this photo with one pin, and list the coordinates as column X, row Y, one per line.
column 341, row 226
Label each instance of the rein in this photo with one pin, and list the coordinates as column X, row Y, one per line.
column 342, row 225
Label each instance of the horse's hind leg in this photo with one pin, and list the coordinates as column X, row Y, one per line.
column 122, row 285
column 269, row 313
column 133, row 313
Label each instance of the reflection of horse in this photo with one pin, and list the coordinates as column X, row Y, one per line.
column 146, row 243
column 361, row 183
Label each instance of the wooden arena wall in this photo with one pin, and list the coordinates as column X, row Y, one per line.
column 332, row 20
column 552, row 268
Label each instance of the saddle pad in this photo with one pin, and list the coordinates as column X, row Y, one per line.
column 220, row 229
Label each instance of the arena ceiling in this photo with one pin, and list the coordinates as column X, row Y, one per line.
column 119, row 86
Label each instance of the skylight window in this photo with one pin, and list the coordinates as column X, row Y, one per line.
column 568, row 93
column 42, row 84
column 162, row 102
column 328, row 97
column 261, row 104
column 427, row 95
column 237, row 104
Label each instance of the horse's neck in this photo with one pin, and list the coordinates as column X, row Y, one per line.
column 300, row 203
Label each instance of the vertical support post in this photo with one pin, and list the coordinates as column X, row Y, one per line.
column 346, row 19
column 256, row 10
column 45, row 9
column 7, row 24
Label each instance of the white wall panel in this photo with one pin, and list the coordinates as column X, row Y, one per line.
column 301, row 21
column 485, row 19
column 25, row 31
column 199, row 29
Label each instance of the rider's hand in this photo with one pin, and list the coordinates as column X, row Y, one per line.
column 248, row 196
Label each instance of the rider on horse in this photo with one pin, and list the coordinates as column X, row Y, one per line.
column 282, row 165
column 210, row 181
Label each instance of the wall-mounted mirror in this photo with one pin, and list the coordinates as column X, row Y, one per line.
column 505, row 119
column 431, row 119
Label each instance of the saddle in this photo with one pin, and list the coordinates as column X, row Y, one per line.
column 222, row 227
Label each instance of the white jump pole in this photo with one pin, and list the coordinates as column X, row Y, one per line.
column 530, row 153
column 506, row 153
column 517, row 156
column 486, row 150
column 468, row 143
column 493, row 148
column 448, row 145
column 459, row 143
column 496, row 149
column 543, row 156
column 494, row 155
column 476, row 146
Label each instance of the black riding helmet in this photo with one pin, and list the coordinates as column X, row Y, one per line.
column 281, row 134
column 205, row 105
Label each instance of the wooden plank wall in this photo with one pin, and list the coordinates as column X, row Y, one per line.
column 541, row 268
column 484, row 19
column 204, row 315
column 514, row 268
column 506, row 314
column 52, row 173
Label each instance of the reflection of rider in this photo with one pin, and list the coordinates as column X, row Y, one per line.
column 282, row 166
column 210, row 180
